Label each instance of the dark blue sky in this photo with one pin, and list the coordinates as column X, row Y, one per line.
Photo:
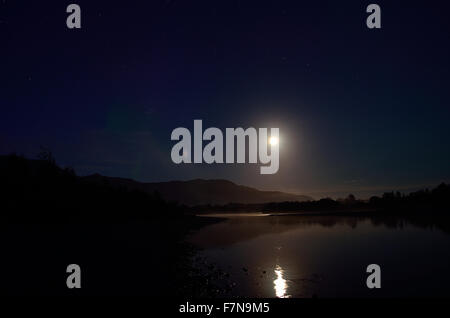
column 359, row 110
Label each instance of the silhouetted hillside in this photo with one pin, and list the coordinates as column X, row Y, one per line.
column 40, row 191
column 199, row 191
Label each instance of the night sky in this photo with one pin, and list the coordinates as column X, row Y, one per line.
column 359, row 110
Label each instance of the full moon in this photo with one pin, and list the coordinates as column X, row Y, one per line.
column 273, row 141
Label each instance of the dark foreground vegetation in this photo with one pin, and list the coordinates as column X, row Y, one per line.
column 126, row 242
column 40, row 191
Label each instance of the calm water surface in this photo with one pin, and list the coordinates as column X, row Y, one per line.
column 323, row 256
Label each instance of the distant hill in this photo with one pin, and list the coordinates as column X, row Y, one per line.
column 200, row 191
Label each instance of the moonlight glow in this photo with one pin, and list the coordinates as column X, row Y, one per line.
column 273, row 141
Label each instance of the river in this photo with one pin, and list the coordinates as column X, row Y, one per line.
column 254, row 255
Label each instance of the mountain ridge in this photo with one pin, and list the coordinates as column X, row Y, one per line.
column 200, row 191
